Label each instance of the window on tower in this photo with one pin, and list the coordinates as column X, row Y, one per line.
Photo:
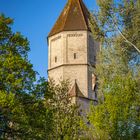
column 75, row 56
column 55, row 59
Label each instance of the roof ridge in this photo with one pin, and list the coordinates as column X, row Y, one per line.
column 82, row 13
column 87, row 12
column 69, row 1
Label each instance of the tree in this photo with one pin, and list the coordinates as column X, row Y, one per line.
column 14, row 121
column 117, row 115
column 16, row 73
column 25, row 118
column 22, row 114
column 119, row 18
column 30, row 109
column 66, row 122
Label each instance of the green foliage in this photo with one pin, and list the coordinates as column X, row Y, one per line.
column 14, row 121
column 122, row 19
column 117, row 115
column 16, row 73
column 66, row 122
column 23, row 114
column 27, row 110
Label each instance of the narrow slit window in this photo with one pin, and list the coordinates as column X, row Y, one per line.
column 55, row 59
column 75, row 56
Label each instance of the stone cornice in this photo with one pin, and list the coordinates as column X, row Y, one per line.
column 80, row 64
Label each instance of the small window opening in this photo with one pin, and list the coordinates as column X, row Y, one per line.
column 55, row 59
column 93, row 81
column 75, row 56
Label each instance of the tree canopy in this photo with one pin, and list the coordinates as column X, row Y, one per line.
column 117, row 115
column 30, row 109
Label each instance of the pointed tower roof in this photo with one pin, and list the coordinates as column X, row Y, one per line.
column 75, row 91
column 75, row 16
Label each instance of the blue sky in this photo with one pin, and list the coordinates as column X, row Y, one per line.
column 34, row 19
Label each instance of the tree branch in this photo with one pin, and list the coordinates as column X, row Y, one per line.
column 130, row 43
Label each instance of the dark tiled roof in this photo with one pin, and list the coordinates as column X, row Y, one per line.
column 75, row 16
column 75, row 91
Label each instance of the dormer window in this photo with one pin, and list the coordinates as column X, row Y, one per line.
column 55, row 59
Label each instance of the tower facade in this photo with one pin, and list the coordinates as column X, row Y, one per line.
column 72, row 52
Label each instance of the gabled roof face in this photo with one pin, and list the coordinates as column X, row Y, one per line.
column 75, row 91
column 74, row 16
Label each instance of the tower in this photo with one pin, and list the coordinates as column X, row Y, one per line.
column 72, row 52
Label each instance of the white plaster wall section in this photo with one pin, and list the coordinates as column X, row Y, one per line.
column 56, row 50
column 64, row 48
column 76, row 45
column 56, row 74
column 78, row 72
